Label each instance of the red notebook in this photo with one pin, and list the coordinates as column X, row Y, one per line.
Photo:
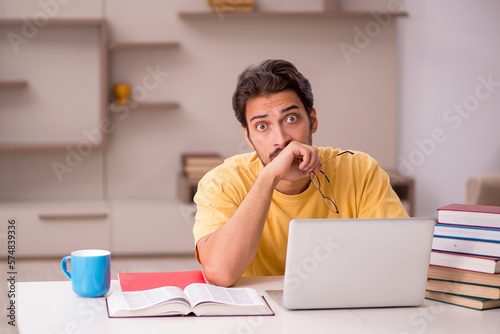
column 146, row 281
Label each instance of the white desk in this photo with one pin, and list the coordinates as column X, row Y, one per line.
column 52, row 307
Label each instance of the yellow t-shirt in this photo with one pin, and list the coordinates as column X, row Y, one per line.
column 361, row 190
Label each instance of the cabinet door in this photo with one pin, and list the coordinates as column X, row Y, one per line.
column 152, row 227
column 62, row 103
column 57, row 228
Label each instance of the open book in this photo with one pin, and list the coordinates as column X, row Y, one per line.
column 198, row 298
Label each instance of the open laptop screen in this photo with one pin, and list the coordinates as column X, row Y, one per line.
column 342, row 263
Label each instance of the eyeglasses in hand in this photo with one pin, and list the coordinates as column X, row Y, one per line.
column 329, row 202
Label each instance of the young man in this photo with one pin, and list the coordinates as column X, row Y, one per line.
column 244, row 206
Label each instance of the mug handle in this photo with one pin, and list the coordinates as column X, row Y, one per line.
column 64, row 267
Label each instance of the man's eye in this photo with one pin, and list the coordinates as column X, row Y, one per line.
column 292, row 118
column 261, row 127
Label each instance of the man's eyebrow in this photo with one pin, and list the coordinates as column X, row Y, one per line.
column 257, row 117
column 293, row 106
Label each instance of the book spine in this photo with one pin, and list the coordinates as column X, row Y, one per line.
column 460, row 300
column 465, row 262
column 466, row 289
column 472, row 247
column 466, row 218
column 474, row 208
column 457, row 275
column 454, row 236
column 469, row 227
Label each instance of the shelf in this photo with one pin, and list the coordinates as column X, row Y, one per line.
column 142, row 45
column 144, row 106
column 135, row 106
column 55, row 22
column 19, row 148
column 53, row 144
column 13, row 84
column 278, row 15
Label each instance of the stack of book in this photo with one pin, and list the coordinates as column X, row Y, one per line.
column 465, row 259
column 194, row 167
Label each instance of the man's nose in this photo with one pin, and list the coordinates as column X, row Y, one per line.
column 281, row 137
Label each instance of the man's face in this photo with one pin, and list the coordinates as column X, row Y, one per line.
column 276, row 120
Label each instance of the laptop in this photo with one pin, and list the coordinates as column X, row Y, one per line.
column 351, row 263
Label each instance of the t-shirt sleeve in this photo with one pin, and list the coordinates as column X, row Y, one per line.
column 216, row 201
column 378, row 199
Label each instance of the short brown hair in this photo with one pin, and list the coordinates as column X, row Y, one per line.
column 270, row 77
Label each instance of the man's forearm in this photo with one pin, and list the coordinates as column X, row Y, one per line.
column 226, row 253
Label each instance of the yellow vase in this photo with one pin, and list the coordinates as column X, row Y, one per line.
column 122, row 93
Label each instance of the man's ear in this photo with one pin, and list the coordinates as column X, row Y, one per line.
column 314, row 121
column 247, row 138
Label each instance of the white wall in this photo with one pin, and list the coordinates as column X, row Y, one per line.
column 446, row 49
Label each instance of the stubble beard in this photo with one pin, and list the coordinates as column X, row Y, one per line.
column 277, row 151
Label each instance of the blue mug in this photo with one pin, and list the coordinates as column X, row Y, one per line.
column 90, row 272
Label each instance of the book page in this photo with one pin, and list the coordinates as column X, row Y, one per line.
column 135, row 300
column 202, row 293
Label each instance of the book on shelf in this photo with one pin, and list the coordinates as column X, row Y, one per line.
column 197, row 299
column 467, row 232
column 461, row 300
column 152, row 280
column 473, row 247
column 201, row 159
column 197, row 172
column 196, row 165
column 466, row 289
column 485, row 264
column 470, row 214
column 459, row 275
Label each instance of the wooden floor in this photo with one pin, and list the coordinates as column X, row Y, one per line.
column 31, row 270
